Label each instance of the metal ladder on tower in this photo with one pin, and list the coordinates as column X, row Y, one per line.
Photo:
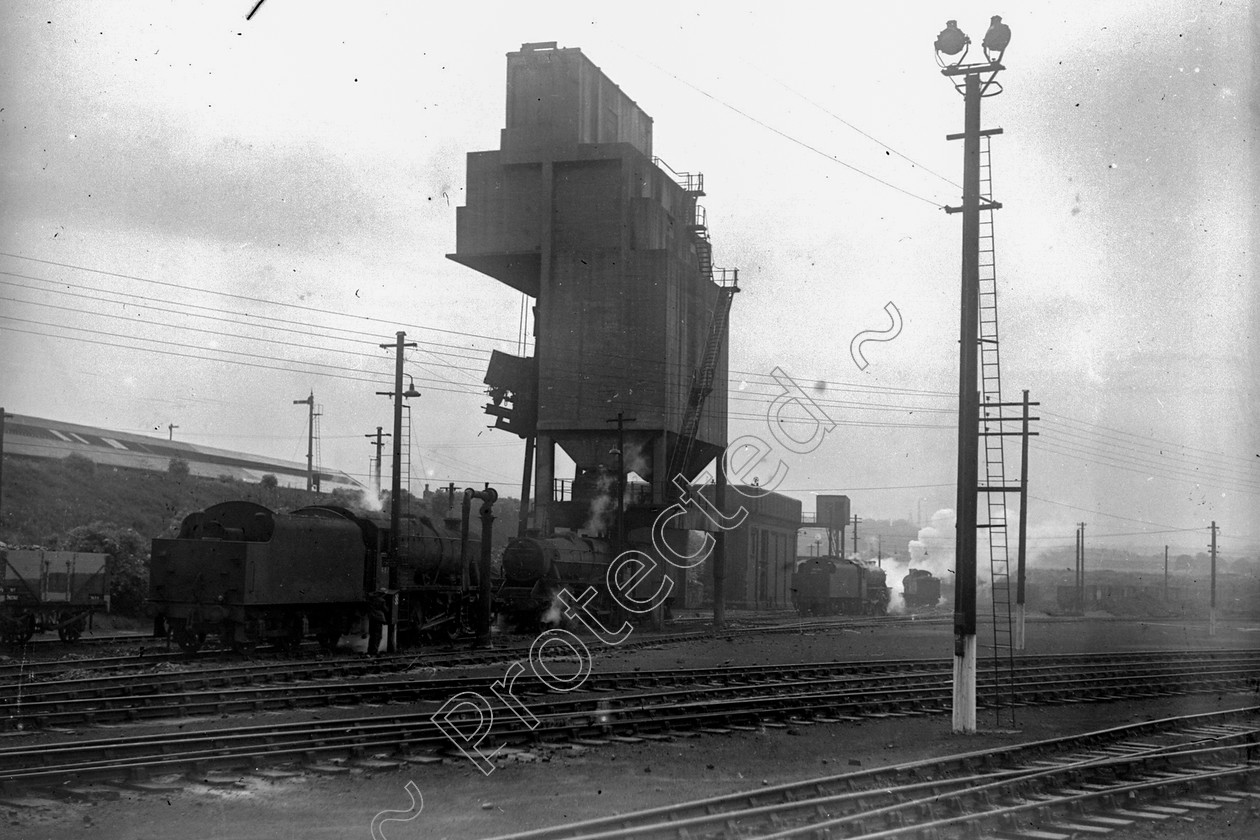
column 404, row 472
column 727, row 280
column 994, row 486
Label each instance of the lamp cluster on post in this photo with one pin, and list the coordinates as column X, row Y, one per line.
column 952, row 41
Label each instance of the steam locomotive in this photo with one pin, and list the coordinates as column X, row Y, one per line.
column 247, row 574
column 839, row 585
column 921, row 589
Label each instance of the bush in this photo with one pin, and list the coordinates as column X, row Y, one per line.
column 178, row 468
column 80, row 464
column 128, row 563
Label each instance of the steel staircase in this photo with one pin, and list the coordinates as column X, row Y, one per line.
column 994, row 481
column 727, row 280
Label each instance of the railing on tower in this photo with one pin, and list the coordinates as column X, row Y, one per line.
column 691, row 182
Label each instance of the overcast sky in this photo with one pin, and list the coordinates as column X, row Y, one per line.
column 205, row 218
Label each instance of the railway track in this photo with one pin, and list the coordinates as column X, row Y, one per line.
column 130, row 698
column 13, row 673
column 707, row 705
column 1080, row 786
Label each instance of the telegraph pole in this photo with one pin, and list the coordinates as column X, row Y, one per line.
column 1023, row 529
column 1212, row 606
column 1081, row 584
column 3, row 417
column 310, row 439
column 170, row 428
column 719, row 551
column 395, row 513
column 621, row 421
column 376, row 472
column 1165, row 574
column 1076, row 569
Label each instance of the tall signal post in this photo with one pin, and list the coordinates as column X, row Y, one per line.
column 953, row 42
column 310, row 439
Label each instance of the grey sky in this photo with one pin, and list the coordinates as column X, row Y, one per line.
column 314, row 156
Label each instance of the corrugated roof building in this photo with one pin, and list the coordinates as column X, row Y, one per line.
column 36, row 437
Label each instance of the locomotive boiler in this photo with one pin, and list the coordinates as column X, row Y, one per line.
column 247, row 574
column 535, row 569
column 836, row 585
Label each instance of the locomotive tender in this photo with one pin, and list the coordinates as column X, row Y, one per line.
column 839, row 585
column 247, row 574
column 921, row 588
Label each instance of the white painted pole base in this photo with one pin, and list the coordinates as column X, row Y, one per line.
column 1019, row 627
column 1212, row 621
column 965, row 688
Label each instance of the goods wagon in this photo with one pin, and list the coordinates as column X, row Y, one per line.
column 50, row 590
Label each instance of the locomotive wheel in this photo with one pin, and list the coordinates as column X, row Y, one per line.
column 71, row 632
column 188, row 641
column 20, row 630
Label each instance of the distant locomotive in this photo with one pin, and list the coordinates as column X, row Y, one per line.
column 835, row 585
column 50, row 590
column 535, row 569
column 921, row 589
column 246, row 574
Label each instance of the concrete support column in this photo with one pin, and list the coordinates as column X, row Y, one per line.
column 965, row 686
column 544, row 474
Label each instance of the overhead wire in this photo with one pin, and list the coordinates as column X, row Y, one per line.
column 780, row 132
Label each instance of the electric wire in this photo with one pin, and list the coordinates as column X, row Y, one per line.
column 780, row 132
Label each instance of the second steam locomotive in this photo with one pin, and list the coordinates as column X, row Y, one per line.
column 839, row 585
column 246, row 574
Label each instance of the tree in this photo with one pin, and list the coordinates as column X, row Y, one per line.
column 269, row 482
column 80, row 464
column 178, row 469
column 128, row 563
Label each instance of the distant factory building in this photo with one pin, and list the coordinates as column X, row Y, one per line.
column 630, row 317
column 35, row 437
